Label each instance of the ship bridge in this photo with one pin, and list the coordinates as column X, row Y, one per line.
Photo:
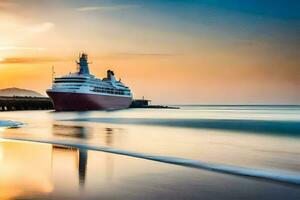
column 83, row 64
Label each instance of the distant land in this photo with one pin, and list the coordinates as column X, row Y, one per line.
column 10, row 92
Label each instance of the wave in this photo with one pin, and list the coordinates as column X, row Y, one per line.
column 278, row 176
column 247, row 125
column 10, row 124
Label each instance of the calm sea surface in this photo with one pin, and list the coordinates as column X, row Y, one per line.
column 209, row 152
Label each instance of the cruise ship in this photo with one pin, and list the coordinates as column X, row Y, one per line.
column 83, row 91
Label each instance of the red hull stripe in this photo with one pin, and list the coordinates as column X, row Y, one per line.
column 64, row 101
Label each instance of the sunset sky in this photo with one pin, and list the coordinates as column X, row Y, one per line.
column 171, row 51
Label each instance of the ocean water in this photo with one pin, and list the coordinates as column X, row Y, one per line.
column 211, row 152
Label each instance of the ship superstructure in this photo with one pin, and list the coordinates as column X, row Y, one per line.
column 83, row 91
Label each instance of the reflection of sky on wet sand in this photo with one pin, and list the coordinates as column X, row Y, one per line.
column 38, row 171
column 21, row 173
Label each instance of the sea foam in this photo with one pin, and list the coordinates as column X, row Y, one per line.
column 10, row 124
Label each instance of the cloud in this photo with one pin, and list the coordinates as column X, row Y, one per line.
column 46, row 59
column 30, row 60
column 136, row 55
column 40, row 28
column 144, row 54
column 21, row 48
column 105, row 8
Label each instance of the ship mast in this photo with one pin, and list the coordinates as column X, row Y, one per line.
column 53, row 72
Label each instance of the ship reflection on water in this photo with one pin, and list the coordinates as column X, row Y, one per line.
column 81, row 160
column 83, row 156
column 81, row 132
column 74, row 131
column 105, row 135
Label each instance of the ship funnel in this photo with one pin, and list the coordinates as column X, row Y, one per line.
column 83, row 64
column 111, row 75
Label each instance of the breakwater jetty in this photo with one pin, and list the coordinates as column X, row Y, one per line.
column 145, row 103
column 45, row 103
column 25, row 103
